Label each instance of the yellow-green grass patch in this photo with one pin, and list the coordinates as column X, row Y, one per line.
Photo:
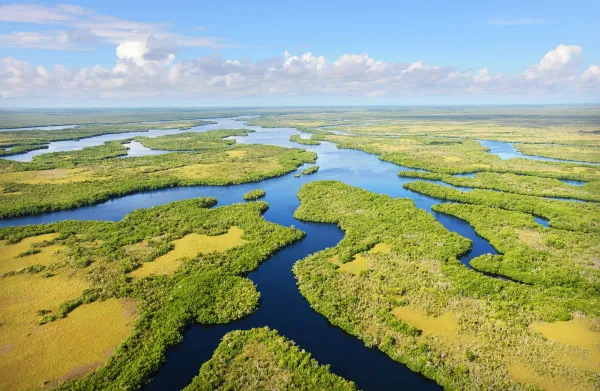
column 523, row 373
column 238, row 153
column 190, row 246
column 23, row 295
column 579, row 332
column 9, row 253
column 444, row 325
column 533, row 238
column 452, row 158
column 230, row 170
column 57, row 175
column 66, row 348
column 361, row 260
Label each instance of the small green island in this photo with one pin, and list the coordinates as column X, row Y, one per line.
column 310, row 170
column 255, row 194
column 304, row 141
column 260, row 359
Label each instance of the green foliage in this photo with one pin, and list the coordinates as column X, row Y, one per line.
column 579, row 153
column 194, row 141
column 455, row 156
column 29, row 252
column 210, row 288
column 107, row 176
column 518, row 184
column 422, row 270
column 310, row 170
column 530, row 252
column 573, row 216
column 261, row 359
column 470, row 355
column 73, row 159
column 254, row 194
column 297, row 139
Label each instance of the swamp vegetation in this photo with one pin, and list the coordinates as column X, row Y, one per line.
column 573, row 216
column 254, row 194
column 527, row 317
column 261, row 359
column 304, row 141
column 205, row 287
column 310, row 170
column 484, row 338
column 64, row 180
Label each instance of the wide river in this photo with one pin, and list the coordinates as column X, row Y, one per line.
column 281, row 306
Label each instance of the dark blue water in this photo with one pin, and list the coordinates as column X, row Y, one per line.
column 282, row 307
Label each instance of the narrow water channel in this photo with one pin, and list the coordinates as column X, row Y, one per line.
column 282, row 307
column 507, row 150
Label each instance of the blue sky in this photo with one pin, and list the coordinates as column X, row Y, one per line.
column 506, row 38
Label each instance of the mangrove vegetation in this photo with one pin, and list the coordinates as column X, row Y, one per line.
column 414, row 300
column 88, row 263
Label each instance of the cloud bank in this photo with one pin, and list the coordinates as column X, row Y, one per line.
column 148, row 69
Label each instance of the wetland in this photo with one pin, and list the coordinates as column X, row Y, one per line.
column 481, row 277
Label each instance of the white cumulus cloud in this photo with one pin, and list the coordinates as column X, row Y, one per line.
column 147, row 69
column 559, row 58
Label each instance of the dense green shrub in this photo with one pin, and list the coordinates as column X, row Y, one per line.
column 574, row 216
column 422, row 271
column 106, row 175
column 254, row 194
column 260, row 359
column 210, row 288
column 310, row 170
column 297, row 139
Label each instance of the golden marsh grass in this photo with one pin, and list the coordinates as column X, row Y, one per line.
column 578, row 332
column 444, row 325
column 41, row 356
column 233, row 170
column 9, row 253
column 188, row 247
column 522, row 373
column 57, row 175
column 361, row 260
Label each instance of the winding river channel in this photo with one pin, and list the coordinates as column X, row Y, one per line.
column 281, row 307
